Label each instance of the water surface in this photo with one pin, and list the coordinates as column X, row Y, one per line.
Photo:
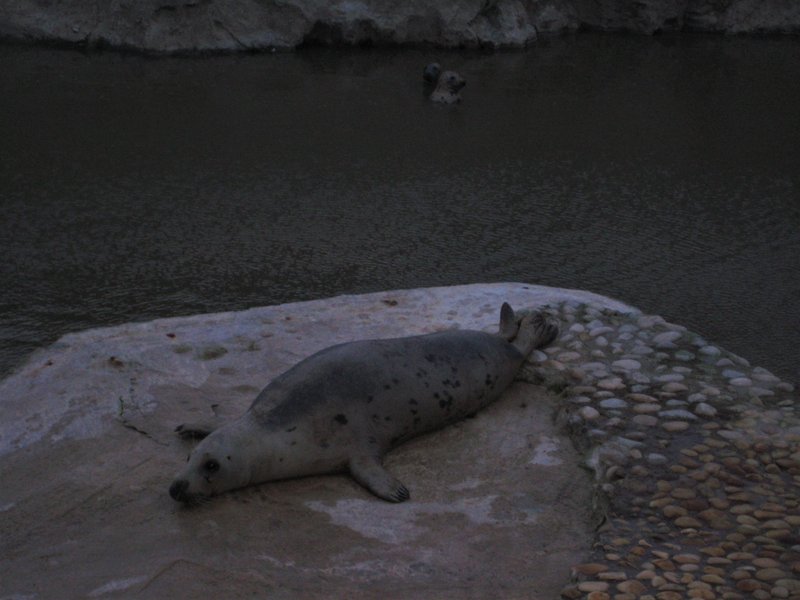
column 662, row 171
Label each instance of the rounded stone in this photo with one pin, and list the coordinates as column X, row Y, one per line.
column 686, row 558
column 627, row 364
column 588, row 413
column 746, row 520
column 741, row 509
column 675, row 426
column 611, row 383
column 732, row 373
column 672, row 511
column 666, row 339
column 631, row 586
column 593, row 586
column 705, row 410
column 775, row 524
column 762, row 374
column 747, row 530
column 648, row 321
column 683, row 493
column 664, row 564
column 793, row 585
column 741, row 556
column 770, row 574
column 538, row 356
column 641, row 398
column 601, row 330
column 613, row 403
column 710, row 351
column 794, row 521
column 589, row 569
column 670, row 377
column 748, row 585
column 685, row 522
column 766, row 563
column 674, row 403
column 677, row 413
column 642, row 350
column 759, row 391
column 674, row 386
column 645, row 420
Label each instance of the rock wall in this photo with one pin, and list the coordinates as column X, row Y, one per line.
column 174, row 26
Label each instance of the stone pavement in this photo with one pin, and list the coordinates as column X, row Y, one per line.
column 696, row 456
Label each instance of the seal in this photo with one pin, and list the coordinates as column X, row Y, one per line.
column 344, row 407
column 448, row 87
column 430, row 76
column 431, row 72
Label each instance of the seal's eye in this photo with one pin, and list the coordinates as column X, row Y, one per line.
column 211, row 466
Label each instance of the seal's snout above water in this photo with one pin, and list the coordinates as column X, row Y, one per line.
column 344, row 407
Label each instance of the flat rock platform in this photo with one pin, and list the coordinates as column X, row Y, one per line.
column 631, row 459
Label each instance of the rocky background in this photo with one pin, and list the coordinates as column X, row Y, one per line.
column 176, row 26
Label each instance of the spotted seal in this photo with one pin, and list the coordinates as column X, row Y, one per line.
column 431, row 73
column 342, row 408
column 448, row 87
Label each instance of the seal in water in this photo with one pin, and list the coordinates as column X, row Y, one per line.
column 447, row 88
column 431, row 72
column 429, row 78
column 344, row 407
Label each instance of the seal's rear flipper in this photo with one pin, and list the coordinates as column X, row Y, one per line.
column 369, row 472
column 508, row 322
column 536, row 331
column 194, row 431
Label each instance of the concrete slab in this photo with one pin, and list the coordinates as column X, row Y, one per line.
column 499, row 505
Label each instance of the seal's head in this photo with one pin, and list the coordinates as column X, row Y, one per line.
column 450, row 83
column 213, row 467
column 453, row 81
column 431, row 73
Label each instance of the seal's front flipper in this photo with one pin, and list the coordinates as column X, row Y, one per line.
column 194, row 431
column 369, row 472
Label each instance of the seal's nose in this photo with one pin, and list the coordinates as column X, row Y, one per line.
column 178, row 489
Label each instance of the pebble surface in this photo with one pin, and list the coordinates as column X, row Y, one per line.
column 696, row 460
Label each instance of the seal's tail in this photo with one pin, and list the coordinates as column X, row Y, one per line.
column 532, row 331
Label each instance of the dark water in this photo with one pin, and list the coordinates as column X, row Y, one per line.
column 661, row 171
